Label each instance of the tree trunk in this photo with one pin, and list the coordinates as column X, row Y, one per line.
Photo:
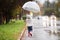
column 8, row 17
column 0, row 19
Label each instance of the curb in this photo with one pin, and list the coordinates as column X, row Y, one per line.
column 22, row 34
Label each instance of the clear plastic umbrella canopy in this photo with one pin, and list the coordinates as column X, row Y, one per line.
column 31, row 6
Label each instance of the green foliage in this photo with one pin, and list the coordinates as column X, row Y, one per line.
column 57, row 14
column 16, row 10
column 11, row 31
column 24, row 17
column 57, row 9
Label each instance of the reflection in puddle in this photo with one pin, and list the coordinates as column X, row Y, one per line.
column 54, row 36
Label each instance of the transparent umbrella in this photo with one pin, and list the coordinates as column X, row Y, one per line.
column 31, row 6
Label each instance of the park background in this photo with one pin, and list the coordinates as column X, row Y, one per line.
column 12, row 16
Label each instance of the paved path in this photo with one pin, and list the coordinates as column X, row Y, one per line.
column 40, row 33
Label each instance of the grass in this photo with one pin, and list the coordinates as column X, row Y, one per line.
column 12, row 30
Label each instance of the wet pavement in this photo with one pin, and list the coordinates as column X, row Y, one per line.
column 41, row 33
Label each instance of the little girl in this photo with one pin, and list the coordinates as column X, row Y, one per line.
column 29, row 25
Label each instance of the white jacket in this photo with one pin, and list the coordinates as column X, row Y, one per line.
column 29, row 22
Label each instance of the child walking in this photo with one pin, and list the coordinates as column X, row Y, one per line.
column 29, row 26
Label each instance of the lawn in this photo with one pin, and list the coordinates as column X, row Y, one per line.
column 12, row 30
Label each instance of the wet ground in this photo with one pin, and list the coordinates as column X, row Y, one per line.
column 42, row 33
